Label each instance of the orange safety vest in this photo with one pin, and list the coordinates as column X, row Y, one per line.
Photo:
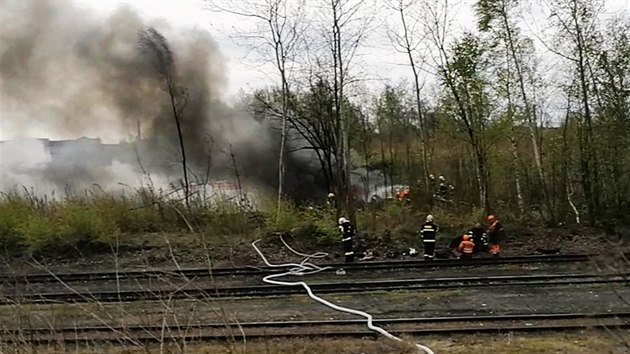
column 466, row 246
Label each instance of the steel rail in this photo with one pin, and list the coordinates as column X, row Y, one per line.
column 186, row 333
column 313, row 323
column 254, row 270
column 330, row 287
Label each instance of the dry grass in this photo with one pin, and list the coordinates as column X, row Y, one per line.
column 565, row 343
column 584, row 342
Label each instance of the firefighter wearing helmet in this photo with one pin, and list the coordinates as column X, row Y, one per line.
column 494, row 235
column 428, row 231
column 466, row 247
column 347, row 235
column 331, row 202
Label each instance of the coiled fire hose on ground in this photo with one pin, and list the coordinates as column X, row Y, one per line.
column 305, row 268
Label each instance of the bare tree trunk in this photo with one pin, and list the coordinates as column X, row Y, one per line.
column 417, row 88
column 565, row 156
column 575, row 210
column 366, row 155
column 410, row 172
column 482, row 177
column 576, row 20
column 512, row 137
column 392, row 160
column 529, row 111
column 339, row 86
column 517, row 175
column 382, row 146
column 236, row 174
column 171, row 92
column 283, row 133
column 152, row 43
column 283, row 19
column 590, row 185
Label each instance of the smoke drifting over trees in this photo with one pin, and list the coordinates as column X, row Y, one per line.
column 66, row 72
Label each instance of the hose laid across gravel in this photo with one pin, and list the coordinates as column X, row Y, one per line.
column 305, row 268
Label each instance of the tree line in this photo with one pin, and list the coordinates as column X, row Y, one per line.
column 505, row 132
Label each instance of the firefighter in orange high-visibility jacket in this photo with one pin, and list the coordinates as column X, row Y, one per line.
column 494, row 235
column 347, row 234
column 428, row 231
column 466, row 248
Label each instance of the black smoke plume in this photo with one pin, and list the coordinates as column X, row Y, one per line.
column 67, row 72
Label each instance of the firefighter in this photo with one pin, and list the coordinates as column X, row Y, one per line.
column 443, row 188
column 466, row 248
column 330, row 201
column 432, row 184
column 494, row 235
column 451, row 191
column 402, row 194
column 347, row 234
column 428, row 232
column 479, row 237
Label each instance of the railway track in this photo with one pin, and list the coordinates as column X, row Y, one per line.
column 264, row 270
column 320, row 288
column 319, row 328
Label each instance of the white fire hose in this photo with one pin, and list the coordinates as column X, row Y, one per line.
column 305, row 268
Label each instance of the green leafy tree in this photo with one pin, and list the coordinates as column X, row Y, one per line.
column 467, row 101
column 497, row 18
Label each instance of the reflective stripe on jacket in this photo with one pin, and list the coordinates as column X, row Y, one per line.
column 466, row 246
column 428, row 231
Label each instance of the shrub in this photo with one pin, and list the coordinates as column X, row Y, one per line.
column 81, row 225
column 41, row 235
column 282, row 219
column 14, row 212
column 315, row 227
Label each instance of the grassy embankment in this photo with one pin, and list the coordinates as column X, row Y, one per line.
column 97, row 222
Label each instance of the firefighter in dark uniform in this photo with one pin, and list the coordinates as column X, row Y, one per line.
column 428, row 232
column 347, row 234
column 479, row 238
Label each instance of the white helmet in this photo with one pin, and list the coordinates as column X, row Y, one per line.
column 331, row 195
column 429, row 218
column 431, row 176
column 442, row 178
column 342, row 220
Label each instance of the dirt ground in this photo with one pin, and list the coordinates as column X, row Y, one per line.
column 381, row 304
column 193, row 250
column 585, row 342
column 329, row 276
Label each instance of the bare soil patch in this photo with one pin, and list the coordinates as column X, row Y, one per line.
column 170, row 250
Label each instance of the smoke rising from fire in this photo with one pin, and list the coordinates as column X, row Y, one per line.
column 66, row 72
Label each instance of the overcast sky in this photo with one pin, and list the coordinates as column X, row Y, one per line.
column 383, row 63
column 379, row 62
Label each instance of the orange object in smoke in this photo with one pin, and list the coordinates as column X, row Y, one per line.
column 402, row 194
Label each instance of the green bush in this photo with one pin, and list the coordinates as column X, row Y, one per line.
column 41, row 235
column 14, row 212
column 315, row 227
column 87, row 222
column 283, row 219
column 224, row 218
column 81, row 225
